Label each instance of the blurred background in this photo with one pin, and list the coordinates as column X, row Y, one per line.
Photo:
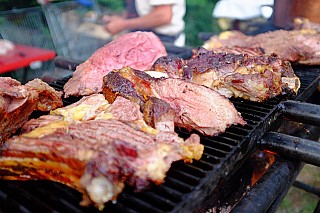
column 73, row 28
column 198, row 16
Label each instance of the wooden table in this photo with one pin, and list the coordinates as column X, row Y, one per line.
column 22, row 56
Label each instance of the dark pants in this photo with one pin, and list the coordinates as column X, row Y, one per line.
column 167, row 38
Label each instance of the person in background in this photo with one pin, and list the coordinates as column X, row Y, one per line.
column 236, row 15
column 163, row 17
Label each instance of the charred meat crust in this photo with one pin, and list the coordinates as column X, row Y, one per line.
column 115, row 84
column 172, row 65
column 158, row 112
column 138, row 91
column 191, row 102
column 254, row 77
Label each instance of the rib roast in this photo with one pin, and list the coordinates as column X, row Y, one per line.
column 96, row 148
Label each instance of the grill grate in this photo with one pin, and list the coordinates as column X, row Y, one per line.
column 186, row 185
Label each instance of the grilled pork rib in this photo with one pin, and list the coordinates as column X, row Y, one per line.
column 17, row 102
column 97, row 152
column 256, row 78
column 196, row 107
column 296, row 46
column 138, row 50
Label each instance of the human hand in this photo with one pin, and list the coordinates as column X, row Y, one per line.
column 114, row 24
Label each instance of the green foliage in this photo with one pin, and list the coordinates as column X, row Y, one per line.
column 112, row 5
column 199, row 19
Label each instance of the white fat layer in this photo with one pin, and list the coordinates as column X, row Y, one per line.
column 156, row 74
column 100, row 190
column 225, row 92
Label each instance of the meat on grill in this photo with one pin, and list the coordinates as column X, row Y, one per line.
column 196, row 107
column 17, row 102
column 159, row 114
column 49, row 98
column 301, row 23
column 296, row 46
column 251, row 51
column 256, row 78
column 138, row 50
column 95, row 148
column 171, row 65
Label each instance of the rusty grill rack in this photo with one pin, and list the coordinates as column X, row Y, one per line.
column 186, row 185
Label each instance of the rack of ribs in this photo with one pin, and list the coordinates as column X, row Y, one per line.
column 96, row 148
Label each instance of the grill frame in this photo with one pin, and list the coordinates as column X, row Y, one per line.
column 186, row 185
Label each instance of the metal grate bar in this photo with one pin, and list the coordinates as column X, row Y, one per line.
column 218, row 144
column 178, row 184
column 211, row 152
column 156, row 200
column 139, row 205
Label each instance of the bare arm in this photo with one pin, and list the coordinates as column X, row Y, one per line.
column 160, row 15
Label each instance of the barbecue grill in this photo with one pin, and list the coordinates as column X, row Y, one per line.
column 207, row 182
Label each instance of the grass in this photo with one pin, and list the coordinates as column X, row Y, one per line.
column 299, row 201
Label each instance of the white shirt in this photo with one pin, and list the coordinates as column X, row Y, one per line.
column 238, row 9
column 177, row 24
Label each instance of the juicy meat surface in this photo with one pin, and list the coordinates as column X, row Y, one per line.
column 171, row 65
column 17, row 102
column 138, row 50
column 88, row 108
column 159, row 114
column 296, row 46
column 196, row 107
column 256, row 78
column 49, row 98
column 98, row 152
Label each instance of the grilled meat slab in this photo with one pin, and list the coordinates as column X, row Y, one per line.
column 159, row 114
column 138, row 50
column 171, row 65
column 256, row 78
column 49, row 98
column 17, row 102
column 95, row 148
column 196, row 107
column 296, row 46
